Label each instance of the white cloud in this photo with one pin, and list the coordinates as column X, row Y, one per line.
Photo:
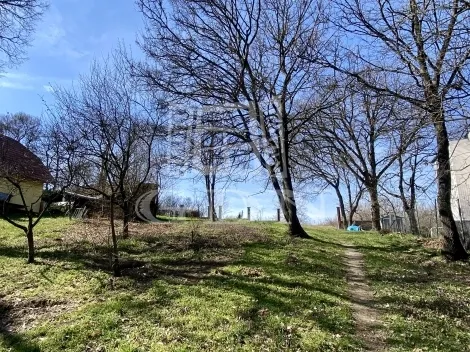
column 51, row 38
column 51, row 30
column 19, row 81
column 23, row 81
column 16, row 76
column 14, row 85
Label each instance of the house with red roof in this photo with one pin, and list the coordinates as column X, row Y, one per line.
column 21, row 169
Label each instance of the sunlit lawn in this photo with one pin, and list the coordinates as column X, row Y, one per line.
column 186, row 286
column 424, row 301
column 238, row 286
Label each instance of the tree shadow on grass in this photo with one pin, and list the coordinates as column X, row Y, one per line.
column 182, row 269
column 13, row 252
column 280, row 289
column 283, row 297
column 10, row 340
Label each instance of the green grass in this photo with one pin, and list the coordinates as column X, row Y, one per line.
column 234, row 286
column 424, row 300
column 188, row 286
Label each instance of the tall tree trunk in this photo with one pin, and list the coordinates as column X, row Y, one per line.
column 30, row 237
column 410, row 212
column 351, row 218
column 280, row 195
column 374, row 206
column 210, row 198
column 453, row 247
column 214, row 216
column 409, row 206
column 289, row 209
column 353, row 203
column 115, row 253
column 342, row 207
column 295, row 227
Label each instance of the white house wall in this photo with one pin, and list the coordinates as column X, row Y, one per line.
column 460, row 175
column 32, row 192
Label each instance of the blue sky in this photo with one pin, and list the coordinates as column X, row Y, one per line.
column 72, row 34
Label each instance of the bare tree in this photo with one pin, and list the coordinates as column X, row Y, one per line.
column 358, row 130
column 23, row 174
column 322, row 168
column 411, row 172
column 18, row 19
column 23, row 128
column 247, row 58
column 112, row 127
column 200, row 148
column 165, row 180
column 425, row 45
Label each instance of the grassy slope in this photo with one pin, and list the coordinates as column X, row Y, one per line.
column 231, row 288
column 425, row 302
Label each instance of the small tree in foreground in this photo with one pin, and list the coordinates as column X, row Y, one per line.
column 21, row 172
column 112, row 128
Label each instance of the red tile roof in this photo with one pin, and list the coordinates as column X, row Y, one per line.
column 18, row 161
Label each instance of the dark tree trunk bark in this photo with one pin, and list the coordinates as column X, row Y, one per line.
column 288, row 207
column 295, row 227
column 453, row 247
column 280, row 196
column 210, row 198
column 30, row 237
column 214, row 214
column 156, row 204
column 409, row 206
column 353, row 204
column 351, row 218
column 374, row 207
column 115, row 253
column 342, row 208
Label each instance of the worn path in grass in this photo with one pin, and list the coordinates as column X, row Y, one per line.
column 365, row 315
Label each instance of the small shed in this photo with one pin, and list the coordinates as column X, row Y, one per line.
column 393, row 223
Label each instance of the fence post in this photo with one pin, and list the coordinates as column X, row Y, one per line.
column 278, row 215
column 248, row 213
column 220, row 212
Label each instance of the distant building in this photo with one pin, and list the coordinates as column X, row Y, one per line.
column 19, row 164
column 393, row 223
column 460, row 173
